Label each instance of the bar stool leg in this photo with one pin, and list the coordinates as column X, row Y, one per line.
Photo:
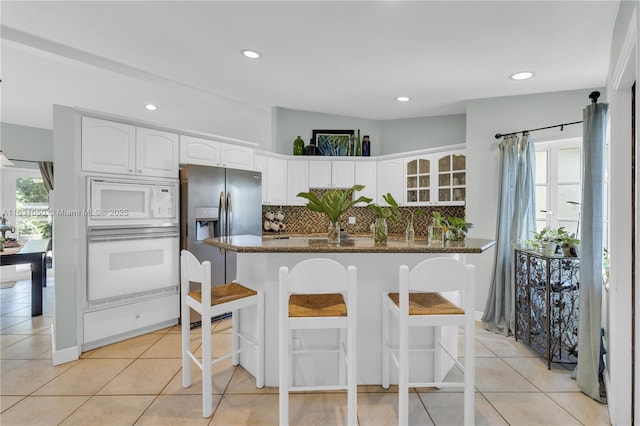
column 385, row 341
column 260, row 343
column 207, row 384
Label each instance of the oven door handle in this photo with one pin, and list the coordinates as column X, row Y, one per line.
column 131, row 237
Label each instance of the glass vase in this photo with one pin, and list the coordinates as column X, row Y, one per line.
column 435, row 235
column 333, row 233
column 410, row 234
column 380, row 232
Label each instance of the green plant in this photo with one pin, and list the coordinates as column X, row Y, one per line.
column 391, row 212
column 453, row 222
column 412, row 215
column 437, row 219
column 334, row 202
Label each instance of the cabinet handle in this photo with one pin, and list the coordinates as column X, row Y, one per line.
column 138, row 316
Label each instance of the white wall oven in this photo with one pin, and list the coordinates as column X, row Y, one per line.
column 133, row 240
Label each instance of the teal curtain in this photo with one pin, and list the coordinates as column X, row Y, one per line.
column 591, row 250
column 515, row 223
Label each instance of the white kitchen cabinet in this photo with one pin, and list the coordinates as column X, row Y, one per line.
column 297, row 181
column 342, row 174
column 365, row 174
column 156, row 153
column 331, row 174
column 108, row 146
column 112, row 147
column 120, row 320
column 436, row 179
column 260, row 164
column 199, row 151
column 276, row 181
column 207, row 152
column 451, row 183
column 390, row 174
column 320, row 174
column 236, row 156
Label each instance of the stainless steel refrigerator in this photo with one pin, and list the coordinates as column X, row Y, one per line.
column 215, row 202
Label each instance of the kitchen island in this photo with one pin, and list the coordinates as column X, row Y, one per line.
column 259, row 259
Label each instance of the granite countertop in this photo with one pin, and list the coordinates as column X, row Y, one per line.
column 318, row 244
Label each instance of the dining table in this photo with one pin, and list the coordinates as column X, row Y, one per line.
column 33, row 252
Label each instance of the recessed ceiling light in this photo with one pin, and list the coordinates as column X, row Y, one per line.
column 403, row 99
column 251, row 54
column 151, row 107
column 523, row 75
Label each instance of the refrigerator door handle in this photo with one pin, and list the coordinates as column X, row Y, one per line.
column 222, row 227
column 229, row 214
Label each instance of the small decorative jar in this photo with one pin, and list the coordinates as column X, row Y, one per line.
column 366, row 146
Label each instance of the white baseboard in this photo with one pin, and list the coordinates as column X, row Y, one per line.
column 64, row 355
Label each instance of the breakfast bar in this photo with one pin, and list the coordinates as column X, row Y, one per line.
column 259, row 259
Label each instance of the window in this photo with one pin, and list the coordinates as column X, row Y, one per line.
column 25, row 203
column 559, row 184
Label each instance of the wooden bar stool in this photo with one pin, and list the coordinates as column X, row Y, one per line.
column 420, row 304
column 210, row 302
column 318, row 294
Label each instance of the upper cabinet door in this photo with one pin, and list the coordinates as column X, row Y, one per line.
column 297, row 181
column 236, row 157
column 342, row 174
column 451, row 182
column 366, row 175
column 199, row 151
column 156, row 153
column 418, row 174
column 320, row 174
column 389, row 180
column 107, row 146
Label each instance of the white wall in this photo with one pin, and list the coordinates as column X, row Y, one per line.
column 623, row 71
column 485, row 118
column 26, row 143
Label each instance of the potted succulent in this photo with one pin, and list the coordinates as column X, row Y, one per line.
column 334, row 203
column 391, row 212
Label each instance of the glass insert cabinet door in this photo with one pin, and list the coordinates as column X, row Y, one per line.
column 436, row 179
column 452, row 178
column 418, row 181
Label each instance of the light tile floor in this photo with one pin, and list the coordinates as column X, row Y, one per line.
column 138, row 381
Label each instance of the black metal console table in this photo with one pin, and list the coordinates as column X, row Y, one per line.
column 546, row 308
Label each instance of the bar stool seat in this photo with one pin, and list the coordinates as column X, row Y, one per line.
column 211, row 302
column 318, row 294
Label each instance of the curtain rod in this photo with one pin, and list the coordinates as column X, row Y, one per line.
column 594, row 98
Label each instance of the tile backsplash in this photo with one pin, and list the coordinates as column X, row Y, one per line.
column 300, row 220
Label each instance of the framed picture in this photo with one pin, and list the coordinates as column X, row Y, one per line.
column 332, row 142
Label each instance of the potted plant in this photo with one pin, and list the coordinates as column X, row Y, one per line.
column 410, row 233
column 548, row 240
column 334, row 203
column 391, row 212
column 436, row 230
column 457, row 228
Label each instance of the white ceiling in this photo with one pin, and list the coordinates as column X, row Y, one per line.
column 348, row 58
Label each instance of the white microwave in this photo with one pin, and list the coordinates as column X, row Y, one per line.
column 131, row 203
